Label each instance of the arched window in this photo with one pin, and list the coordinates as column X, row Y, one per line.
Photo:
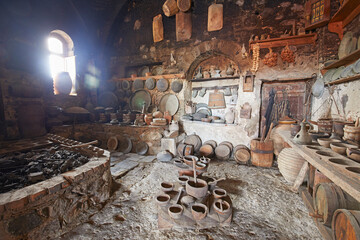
column 61, row 56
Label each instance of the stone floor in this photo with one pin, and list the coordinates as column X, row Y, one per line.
column 264, row 207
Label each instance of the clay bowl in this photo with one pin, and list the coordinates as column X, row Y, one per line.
column 339, row 161
column 199, row 211
column 325, row 142
column 221, row 207
column 324, row 154
column 175, row 211
column 200, row 166
column 219, row 193
column 189, row 159
column 354, row 170
column 340, row 147
column 162, row 199
column 167, row 187
column 197, row 190
column 316, row 135
column 183, row 179
column 353, row 153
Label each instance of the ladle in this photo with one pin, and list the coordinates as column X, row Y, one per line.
column 194, row 164
column 213, row 183
column 179, row 195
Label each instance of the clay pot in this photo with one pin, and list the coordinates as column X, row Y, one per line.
column 183, row 179
column 162, row 199
column 353, row 153
column 340, row 148
column 167, row 187
column 325, row 142
column 198, row 189
column 168, row 117
column 189, row 159
column 200, row 166
column 352, row 133
column 174, row 126
column 221, row 207
column 219, row 193
column 175, row 211
column 199, row 211
column 289, row 163
column 158, row 114
column 148, row 118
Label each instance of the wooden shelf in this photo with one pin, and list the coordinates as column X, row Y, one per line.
column 345, row 80
column 347, row 181
column 212, row 79
column 345, row 60
column 346, row 13
column 180, row 75
column 291, row 40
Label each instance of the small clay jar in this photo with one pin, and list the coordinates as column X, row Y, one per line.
column 199, row 211
column 182, row 180
column 148, row 118
column 162, row 199
column 219, row 193
column 168, row 117
column 221, row 207
column 167, row 187
column 175, row 211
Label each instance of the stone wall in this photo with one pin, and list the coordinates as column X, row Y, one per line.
column 50, row 208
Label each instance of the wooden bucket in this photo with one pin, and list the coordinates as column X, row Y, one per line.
column 345, row 224
column 206, row 150
column 262, row 153
column 328, row 198
column 352, row 133
column 170, row 8
column 216, row 100
column 241, row 153
column 325, row 125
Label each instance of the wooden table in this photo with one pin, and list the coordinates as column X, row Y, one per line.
column 345, row 179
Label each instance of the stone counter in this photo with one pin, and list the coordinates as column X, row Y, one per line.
column 234, row 133
column 101, row 131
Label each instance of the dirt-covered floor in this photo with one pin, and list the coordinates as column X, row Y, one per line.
column 264, row 207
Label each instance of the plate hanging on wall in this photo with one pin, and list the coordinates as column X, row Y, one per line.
column 170, row 103
column 138, row 99
column 162, row 85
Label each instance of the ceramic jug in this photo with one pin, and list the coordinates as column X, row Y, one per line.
column 303, row 137
column 230, row 116
column 174, row 126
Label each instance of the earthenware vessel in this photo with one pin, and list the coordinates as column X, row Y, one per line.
column 303, row 137
column 199, row 211
column 162, row 199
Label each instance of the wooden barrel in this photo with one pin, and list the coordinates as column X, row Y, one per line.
column 290, row 163
column 345, row 224
column 170, row 8
column 241, row 153
column 328, row 198
column 212, row 143
column 185, row 149
column 184, row 5
column 325, row 125
column 227, row 143
column 206, row 150
column 352, row 133
column 222, row 152
column 319, row 177
column 262, row 153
